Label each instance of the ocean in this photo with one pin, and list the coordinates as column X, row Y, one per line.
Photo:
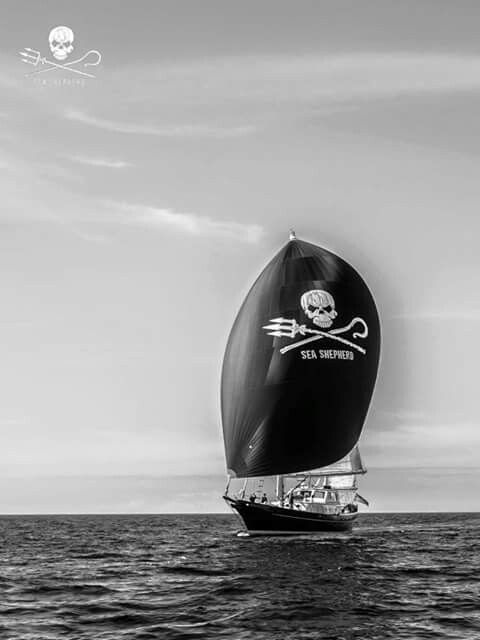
column 139, row 577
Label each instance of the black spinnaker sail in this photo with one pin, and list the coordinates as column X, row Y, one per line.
column 300, row 365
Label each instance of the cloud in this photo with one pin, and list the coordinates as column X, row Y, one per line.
column 88, row 493
column 284, row 81
column 170, row 131
column 418, row 438
column 52, row 202
column 375, row 75
column 457, row 314
column 188, row 223
column 460, row 439
column 100, row 162
column 405, row 415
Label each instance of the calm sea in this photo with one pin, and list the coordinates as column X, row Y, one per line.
column 155, row 576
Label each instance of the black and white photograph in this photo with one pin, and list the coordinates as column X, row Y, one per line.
column 240, row 320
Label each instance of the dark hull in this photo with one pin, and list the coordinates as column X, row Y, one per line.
column 264, row 519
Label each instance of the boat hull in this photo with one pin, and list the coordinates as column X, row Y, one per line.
column 265, row 519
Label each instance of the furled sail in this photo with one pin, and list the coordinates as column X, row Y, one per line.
column 342, row 475
column 350, row 464
column 300, row 365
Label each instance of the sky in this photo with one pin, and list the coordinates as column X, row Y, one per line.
column 137, row 208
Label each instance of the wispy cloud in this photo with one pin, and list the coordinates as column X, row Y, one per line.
column 405, row 415
column 411, row 438
column 170, row 131
column 456, row 314
column 100, row 162
column 418, row 435
column 188, row 223
column 279, row 82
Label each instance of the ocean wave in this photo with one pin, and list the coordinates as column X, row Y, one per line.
column 399, row 576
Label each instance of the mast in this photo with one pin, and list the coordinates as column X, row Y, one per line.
column 279, row 489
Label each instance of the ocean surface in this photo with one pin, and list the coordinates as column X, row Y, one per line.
column 188, row 576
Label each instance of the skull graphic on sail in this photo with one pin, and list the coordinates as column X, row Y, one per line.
column 319, row 306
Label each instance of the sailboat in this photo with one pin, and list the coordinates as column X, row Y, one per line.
column 298, row 374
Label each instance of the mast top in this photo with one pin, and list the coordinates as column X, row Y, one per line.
column 292, row 235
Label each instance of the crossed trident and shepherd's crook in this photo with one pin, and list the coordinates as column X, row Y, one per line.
column 30, row 56
column 289, row 328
